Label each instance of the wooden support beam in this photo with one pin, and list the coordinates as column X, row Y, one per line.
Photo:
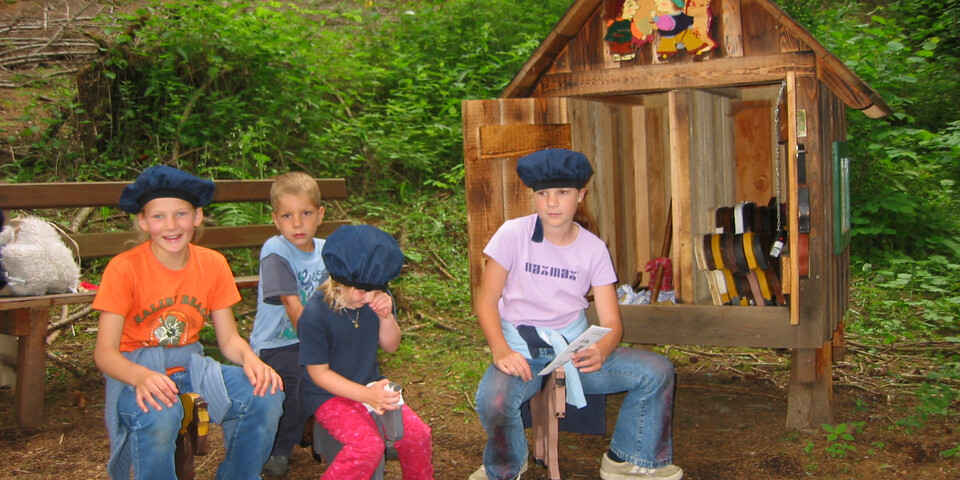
column 31, row 363
column 810, row 394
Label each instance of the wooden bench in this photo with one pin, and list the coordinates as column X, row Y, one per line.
column 27, row 317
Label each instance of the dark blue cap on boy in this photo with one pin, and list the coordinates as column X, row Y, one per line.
column 554, row 168
column 362, row 256
column 161, row 181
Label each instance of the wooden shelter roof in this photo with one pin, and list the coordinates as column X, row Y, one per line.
column 536, row 77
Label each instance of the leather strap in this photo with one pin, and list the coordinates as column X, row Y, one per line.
column 717, row 250
column 743, row 286
column 727, row 251
column 726, row 220
column 700, row 255
column 731, row 283
column 774, row 281
column 755, row 291
column 738, row 226
column 747, row 243
column 707, row 249
column 739, row 254
column 764, row 287
column 755, row 246
column 721, row 282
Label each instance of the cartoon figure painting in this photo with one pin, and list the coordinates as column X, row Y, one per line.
column 679, row 25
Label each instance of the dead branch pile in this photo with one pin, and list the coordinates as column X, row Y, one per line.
column 42, row 40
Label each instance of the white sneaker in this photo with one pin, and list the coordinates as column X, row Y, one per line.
column 610, row 470
column 481, row 473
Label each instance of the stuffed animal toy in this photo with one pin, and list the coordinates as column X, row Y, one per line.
column 35, row 260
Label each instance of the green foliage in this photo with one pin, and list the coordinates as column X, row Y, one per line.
column 370, row 91
column 904, row 167
column 908, row 299
column 937, row 397
column 840, row 438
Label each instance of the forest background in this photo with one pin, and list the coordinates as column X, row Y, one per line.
column 371, row 91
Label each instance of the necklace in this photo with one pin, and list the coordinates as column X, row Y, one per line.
column 356, row 318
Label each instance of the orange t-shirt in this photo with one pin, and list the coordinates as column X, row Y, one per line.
column 161, row 306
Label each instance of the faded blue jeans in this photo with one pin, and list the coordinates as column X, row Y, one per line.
column 153, row 434
column 643, row 434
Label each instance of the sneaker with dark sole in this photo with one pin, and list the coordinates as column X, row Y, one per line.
column 276, row 466
column 610, row 470
column 481, row 473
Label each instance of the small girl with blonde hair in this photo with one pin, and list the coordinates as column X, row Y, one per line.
column 341, row 327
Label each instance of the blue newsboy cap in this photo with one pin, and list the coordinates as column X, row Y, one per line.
column 554, row 168
column 161, row 181
column 362, row 256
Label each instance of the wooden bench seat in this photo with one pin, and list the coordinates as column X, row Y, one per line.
column 28, row 317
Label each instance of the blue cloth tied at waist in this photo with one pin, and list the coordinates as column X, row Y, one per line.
column 205, row 375
column 558, row 340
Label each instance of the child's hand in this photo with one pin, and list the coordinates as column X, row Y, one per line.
column 588, row 360
column 262, row 376
column 512, row 363
column 382, row 305
column 381, row 398
column 155, row 388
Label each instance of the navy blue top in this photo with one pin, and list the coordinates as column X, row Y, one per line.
column 330, row 337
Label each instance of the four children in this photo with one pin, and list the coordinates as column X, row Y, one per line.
column 322, row 313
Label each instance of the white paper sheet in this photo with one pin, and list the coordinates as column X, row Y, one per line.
column 587, row 338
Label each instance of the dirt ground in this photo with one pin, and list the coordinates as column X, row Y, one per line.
column 726, row 425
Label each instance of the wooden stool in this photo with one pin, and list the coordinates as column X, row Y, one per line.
column 546, row 408
column 192, row 439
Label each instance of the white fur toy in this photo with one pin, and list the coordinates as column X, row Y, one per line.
column 35, row 259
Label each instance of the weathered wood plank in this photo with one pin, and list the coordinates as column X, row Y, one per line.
column 106, row 194
column 498, row 141
column 684, row 264
column 655, row 78
column 760, row 31
column 726, row 326
column 482, row 183
column 753, row 130
column 107, row 244
column 730, row 28
column 793, row 281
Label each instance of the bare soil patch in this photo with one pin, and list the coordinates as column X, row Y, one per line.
column 726, row 424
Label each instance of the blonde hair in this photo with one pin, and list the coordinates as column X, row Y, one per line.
column 294, row 183
column 334, row 293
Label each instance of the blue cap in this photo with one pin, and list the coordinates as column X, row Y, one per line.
column 161, row 181
column 362, row 256
column 554, row 168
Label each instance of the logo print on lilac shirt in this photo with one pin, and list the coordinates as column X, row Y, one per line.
column 548, row 271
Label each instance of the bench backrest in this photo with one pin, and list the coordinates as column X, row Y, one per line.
column 37, row 196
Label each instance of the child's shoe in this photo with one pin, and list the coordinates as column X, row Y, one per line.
column 481, row 473
column 610, row 470
column 276, row 466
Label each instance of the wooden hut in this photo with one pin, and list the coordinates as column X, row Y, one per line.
column 741, row 107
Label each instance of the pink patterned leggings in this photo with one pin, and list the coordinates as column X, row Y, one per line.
column 351, row 424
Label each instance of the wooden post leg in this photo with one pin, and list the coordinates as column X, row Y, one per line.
column 810, row 397
column 31, row 366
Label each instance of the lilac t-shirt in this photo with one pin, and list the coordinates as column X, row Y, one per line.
column 547, row 284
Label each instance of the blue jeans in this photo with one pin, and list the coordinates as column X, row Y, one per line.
column 643, row 434
column 253, row 420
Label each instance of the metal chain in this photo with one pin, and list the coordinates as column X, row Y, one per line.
column 776, row 144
